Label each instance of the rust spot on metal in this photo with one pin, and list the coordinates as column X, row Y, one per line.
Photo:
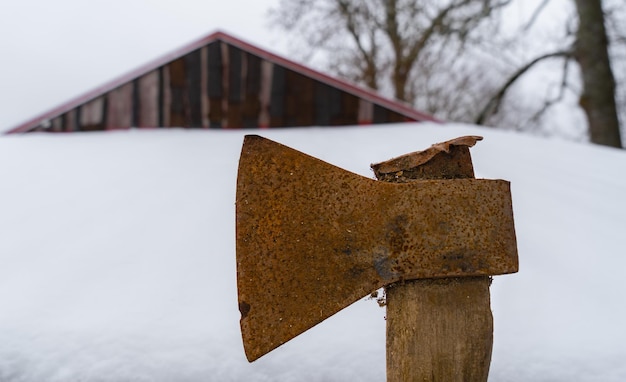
column 244, row 308
column 386, row 268
column 313, row 238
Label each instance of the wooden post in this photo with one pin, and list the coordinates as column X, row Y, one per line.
column 438, row 329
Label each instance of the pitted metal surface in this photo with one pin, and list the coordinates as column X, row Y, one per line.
column 313, row 238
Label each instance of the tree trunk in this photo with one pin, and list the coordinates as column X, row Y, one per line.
column 400, row 78
column 598, row 97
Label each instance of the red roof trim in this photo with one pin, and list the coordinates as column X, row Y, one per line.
column 346, row 86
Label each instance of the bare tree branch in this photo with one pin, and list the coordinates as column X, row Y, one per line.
column 494, row 103
column 535, row 15
column 369, row 56
column 548, row 101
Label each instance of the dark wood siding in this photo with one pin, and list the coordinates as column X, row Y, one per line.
column 299, row 106
column 92, row 115
column 215, row 84
column 178, row 93
column 148, row 96
column 277, row 97
column 219, row 85
column 251, row 106
column 327, row 105
column 193, row 85
column 236, row 78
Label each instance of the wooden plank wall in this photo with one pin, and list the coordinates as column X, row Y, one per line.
column 221, row 86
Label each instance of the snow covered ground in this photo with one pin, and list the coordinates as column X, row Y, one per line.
column 117, row 258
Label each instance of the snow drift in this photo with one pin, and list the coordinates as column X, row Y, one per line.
column 117, row 258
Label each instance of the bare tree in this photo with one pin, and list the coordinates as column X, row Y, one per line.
column 399, row 47
column 592, row 54
column 442, row 57
column 615, row 20
column 589, row 49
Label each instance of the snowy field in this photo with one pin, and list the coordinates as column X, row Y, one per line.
column 117, row 258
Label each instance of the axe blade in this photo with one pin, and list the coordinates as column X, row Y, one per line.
column 313, row 238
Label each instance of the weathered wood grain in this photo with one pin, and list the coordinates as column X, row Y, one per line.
column 148, row 108
column 92, row 115
column 439, row 329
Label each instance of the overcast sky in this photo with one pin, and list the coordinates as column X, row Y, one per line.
column 54, row 50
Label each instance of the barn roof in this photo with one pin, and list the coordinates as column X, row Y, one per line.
column 405, row 111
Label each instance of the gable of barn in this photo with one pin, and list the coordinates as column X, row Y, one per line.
column 222, row 82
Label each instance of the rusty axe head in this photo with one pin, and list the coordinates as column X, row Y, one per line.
column 313, row 238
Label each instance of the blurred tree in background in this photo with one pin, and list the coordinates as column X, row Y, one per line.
column 466, row 61
column 404, row 48
column 591, row 51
